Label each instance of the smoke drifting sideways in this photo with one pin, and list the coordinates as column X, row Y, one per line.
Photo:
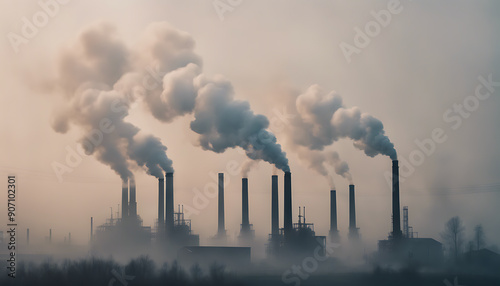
column 91, row 74
column 221, row 121
column 322, row 119
column 323, row 161
column 165, row 73
column 224, row 122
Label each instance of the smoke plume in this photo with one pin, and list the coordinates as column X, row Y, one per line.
column 323, row 119
column 247, row 166
column 100, row 71
column 224, row 122
column 93, row 76
column 221, row 121
column 323, row 161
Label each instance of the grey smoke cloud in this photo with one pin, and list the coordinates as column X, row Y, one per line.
column 221, row 121
column 98, row 56
column 341, row 167
column 247, row 166
column 165, row 73
column 323, row 119
column 224, row 122
column 148, row 151
column 94, row 75
column 323, row 161
column 87, row 109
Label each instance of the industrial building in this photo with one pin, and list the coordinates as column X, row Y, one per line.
column 403, row 247
column 295, row 240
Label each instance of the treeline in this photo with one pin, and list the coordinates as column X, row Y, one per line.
column 96, row 271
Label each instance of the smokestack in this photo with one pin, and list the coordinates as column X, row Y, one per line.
column 245, row 223
column 287, row 217
column 352, row 208
column 275, row 222
column 161, row 209
column 221, row 229
column 133, row 203
column 353, row 230
column 333, row 213
column 124, row 200
column 28, row 236
column 396, row 221
column 169, row 202
column 50, row 235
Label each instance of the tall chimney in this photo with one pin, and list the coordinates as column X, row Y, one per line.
column 161, row 209
column 287, row 217
column 275, row 221
column 169, row 202
column 28, row 236
column 124, row 200
column 353, row 230
column 221, row 228
column 245, row 223
column 50, row 235
column 133, row 204
column 333, row 215
column 352, row 208
column 396, row 220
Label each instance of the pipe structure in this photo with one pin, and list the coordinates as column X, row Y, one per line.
column 169, row 203
column 161, row 209
column 275, row 217
column 287, row 216
column 396, row 219
column 124, row 200
column 221, row 231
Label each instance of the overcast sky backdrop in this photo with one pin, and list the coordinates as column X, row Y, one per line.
column 427, row 59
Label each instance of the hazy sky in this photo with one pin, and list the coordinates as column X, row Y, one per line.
column 421, row 63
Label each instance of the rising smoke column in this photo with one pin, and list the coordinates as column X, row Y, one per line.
column 323, row 161
column 323, row 119
column 89, row 71
column 221, row 121
column 224, row 122
column 166, row 74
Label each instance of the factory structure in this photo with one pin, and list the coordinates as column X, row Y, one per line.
column 173, row 234
column 402, row 246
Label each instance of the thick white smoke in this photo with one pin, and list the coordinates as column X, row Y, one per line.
column 323, row 161
column 224, row 122
column 221, row 121
column 323, row 119
column 100, row 71
column 88, row 72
